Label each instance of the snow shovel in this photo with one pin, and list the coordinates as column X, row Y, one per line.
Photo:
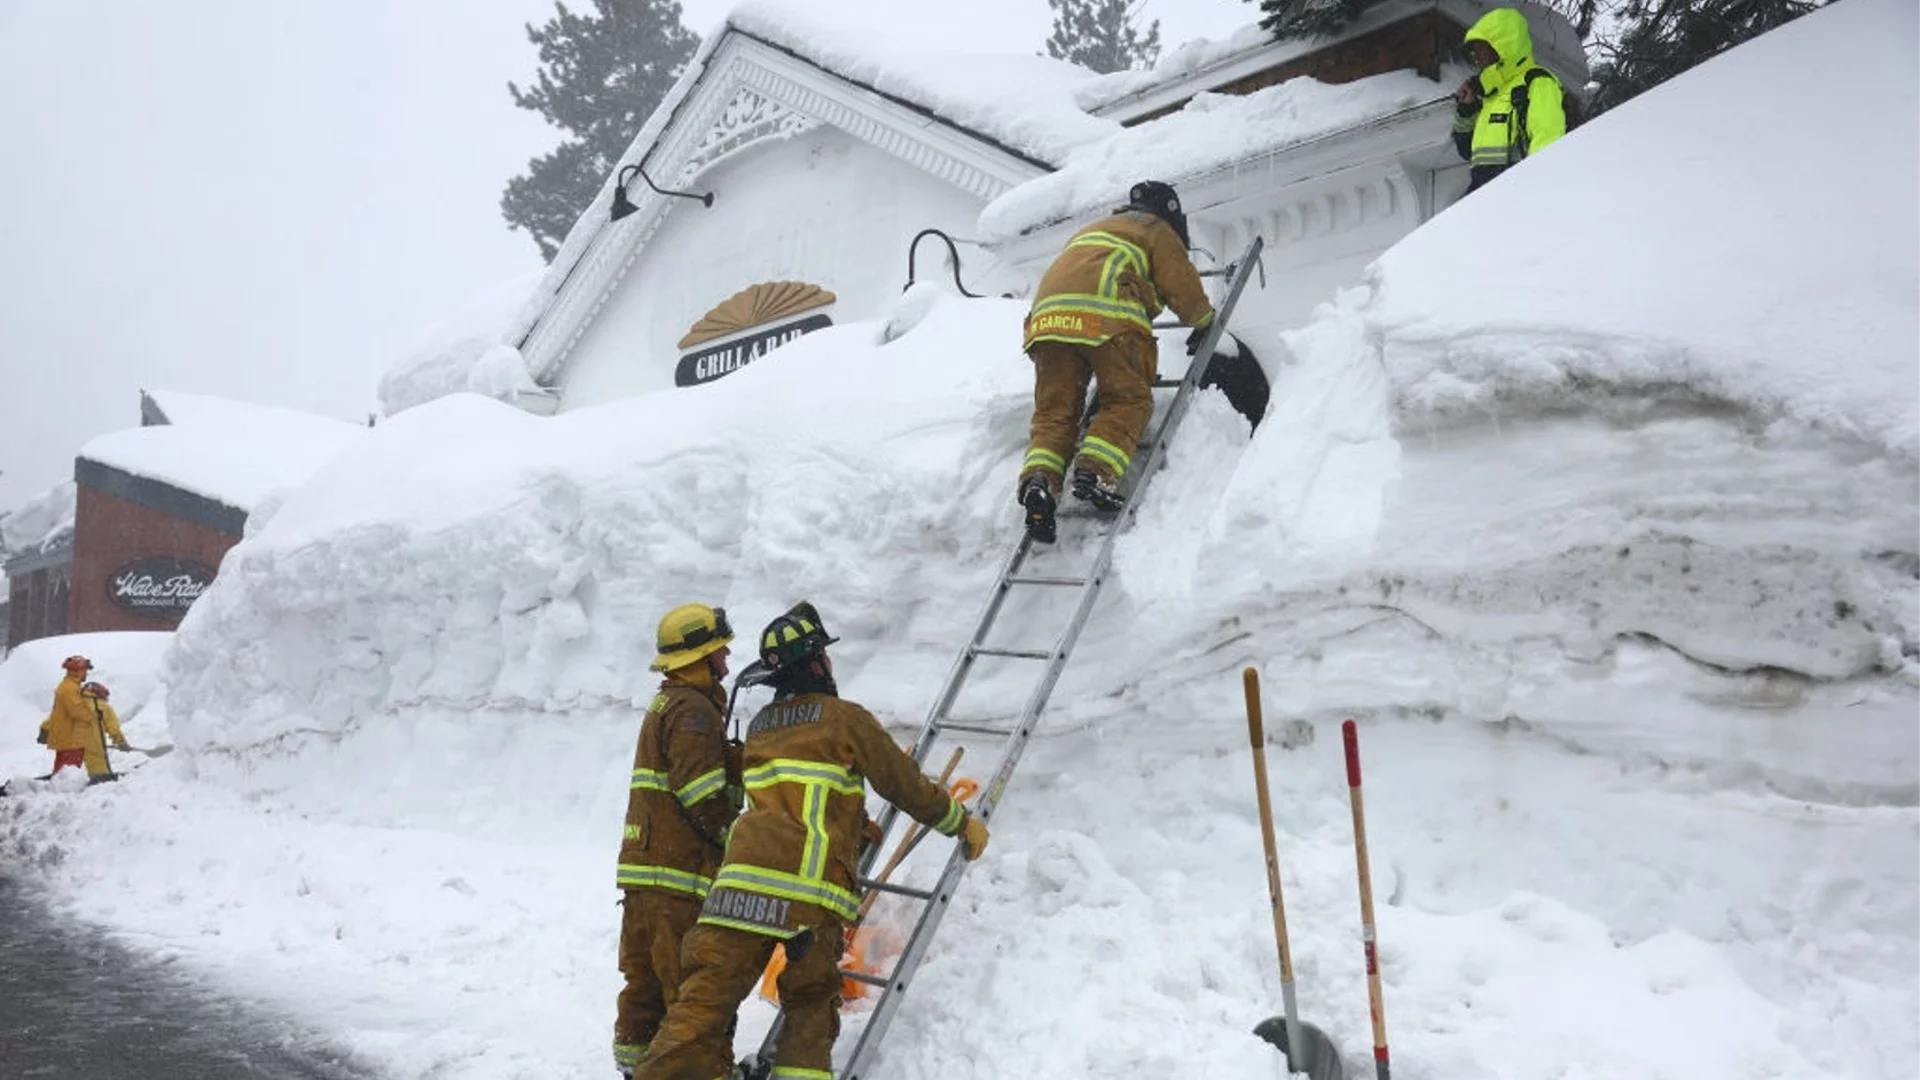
column 1307, row 1048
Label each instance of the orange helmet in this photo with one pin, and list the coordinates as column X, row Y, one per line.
column 77, row 662
column 94, row 690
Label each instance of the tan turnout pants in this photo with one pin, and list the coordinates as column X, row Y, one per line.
column 653, row 926
column 1123, row 369
column 696, row 1040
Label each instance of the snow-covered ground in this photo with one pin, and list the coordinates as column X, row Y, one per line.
column 1606, row 528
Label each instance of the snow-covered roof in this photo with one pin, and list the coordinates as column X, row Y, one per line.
column 1201, row 66
column 1027, row 104
column 1212, row 131
column 229, row 451
column 43, row 523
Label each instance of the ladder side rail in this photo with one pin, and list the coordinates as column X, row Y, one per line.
column 908, row 964
column 935, row 910
column 950, row 690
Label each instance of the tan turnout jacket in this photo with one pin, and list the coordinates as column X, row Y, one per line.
column 678, row 806
column 793, row 854
column 1114, row 276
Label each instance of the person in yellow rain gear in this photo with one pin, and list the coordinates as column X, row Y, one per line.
column 82, row 724
column 1092, row 319
column 788, row 877
column 1513, row 107
column 682, row 801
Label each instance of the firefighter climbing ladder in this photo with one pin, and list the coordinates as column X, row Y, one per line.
column 939, row 721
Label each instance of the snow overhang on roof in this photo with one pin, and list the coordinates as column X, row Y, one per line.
column 231, row 452
column 983, row 123
column 1132, row 97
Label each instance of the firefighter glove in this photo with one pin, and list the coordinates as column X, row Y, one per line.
column 870, row 835
column 1196, row 336
column 42, row 737
column 974, row 834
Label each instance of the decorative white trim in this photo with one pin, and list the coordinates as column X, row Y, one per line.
column 748, row 93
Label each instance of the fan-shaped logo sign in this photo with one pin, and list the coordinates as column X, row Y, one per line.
column 158, row 586
column 748, row 325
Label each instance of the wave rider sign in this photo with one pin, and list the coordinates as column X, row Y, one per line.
column 158, row 586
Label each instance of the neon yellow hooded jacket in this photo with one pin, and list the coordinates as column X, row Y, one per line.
column 1495, row 141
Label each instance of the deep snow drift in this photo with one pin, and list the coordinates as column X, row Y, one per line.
column 1622, row 581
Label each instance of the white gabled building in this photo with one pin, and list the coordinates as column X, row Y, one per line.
column 797, row 168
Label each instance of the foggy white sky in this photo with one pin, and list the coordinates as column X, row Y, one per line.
column 272, row 200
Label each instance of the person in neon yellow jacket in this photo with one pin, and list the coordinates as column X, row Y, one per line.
column 1513, row 107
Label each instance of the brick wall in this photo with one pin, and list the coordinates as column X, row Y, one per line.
column 111, row 531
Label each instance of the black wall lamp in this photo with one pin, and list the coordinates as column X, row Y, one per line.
column 622, row 206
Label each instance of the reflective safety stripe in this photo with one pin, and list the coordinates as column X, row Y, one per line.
column 1105, row 306
column 650, row 780
column 956, row 814
column 813, row 855
column 1131, row 255
column 1045, row 459
column 635, row 876
column 797, row 771
column 1102, row 450
column 751, row 928
column 790, row 1072
column 703, row 787
column 1495, row 156
column 786, row 886
column 628, row 1054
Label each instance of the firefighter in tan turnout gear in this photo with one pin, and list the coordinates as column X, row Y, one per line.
column 789, row 871
column 1092, row 318
column 679, row 808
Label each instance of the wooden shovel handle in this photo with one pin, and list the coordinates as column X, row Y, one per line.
column 906, row 844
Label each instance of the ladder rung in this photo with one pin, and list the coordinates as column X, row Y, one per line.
column 1017, row 654
column 1165, row 384
column 897, row 890
column 1037, row 579
column 861, row 976
column 975, row 729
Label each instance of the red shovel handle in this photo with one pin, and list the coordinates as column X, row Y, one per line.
column 1350, row 735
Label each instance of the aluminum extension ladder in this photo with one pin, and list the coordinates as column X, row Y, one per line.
column 936, row 900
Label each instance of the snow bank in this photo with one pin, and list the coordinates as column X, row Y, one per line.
column 1735, row 265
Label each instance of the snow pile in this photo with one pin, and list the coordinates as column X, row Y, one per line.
column 229, row 451
column 466, row 353
column 1212, row 130
column 1183, row 61
column 1758, row 292
column 1636, row 673
column 41, row 524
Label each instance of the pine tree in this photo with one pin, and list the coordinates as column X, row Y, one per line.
column 1655, row 40
column 1100, row 34
column 1325, row 18
column 602, row 73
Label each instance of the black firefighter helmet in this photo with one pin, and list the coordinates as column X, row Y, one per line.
column 1160, row 200
column 792, row 639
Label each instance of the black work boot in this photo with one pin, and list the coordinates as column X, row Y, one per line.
column 1036, row 498
column 1092, row 487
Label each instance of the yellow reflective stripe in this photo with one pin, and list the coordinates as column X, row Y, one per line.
column 635, row 876
column 813, row 856
column 650, row 780
column 1107, row 452
column 1127, row 249
column 786, row 886
column 798, row 771
column 751, row 928
column 702, row 787
column 628, row 1053
column 1098, row 305
column 1045, row 459
column 790, row 1072
column 955, row 815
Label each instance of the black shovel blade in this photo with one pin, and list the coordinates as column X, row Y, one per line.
column 1316, row 1056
